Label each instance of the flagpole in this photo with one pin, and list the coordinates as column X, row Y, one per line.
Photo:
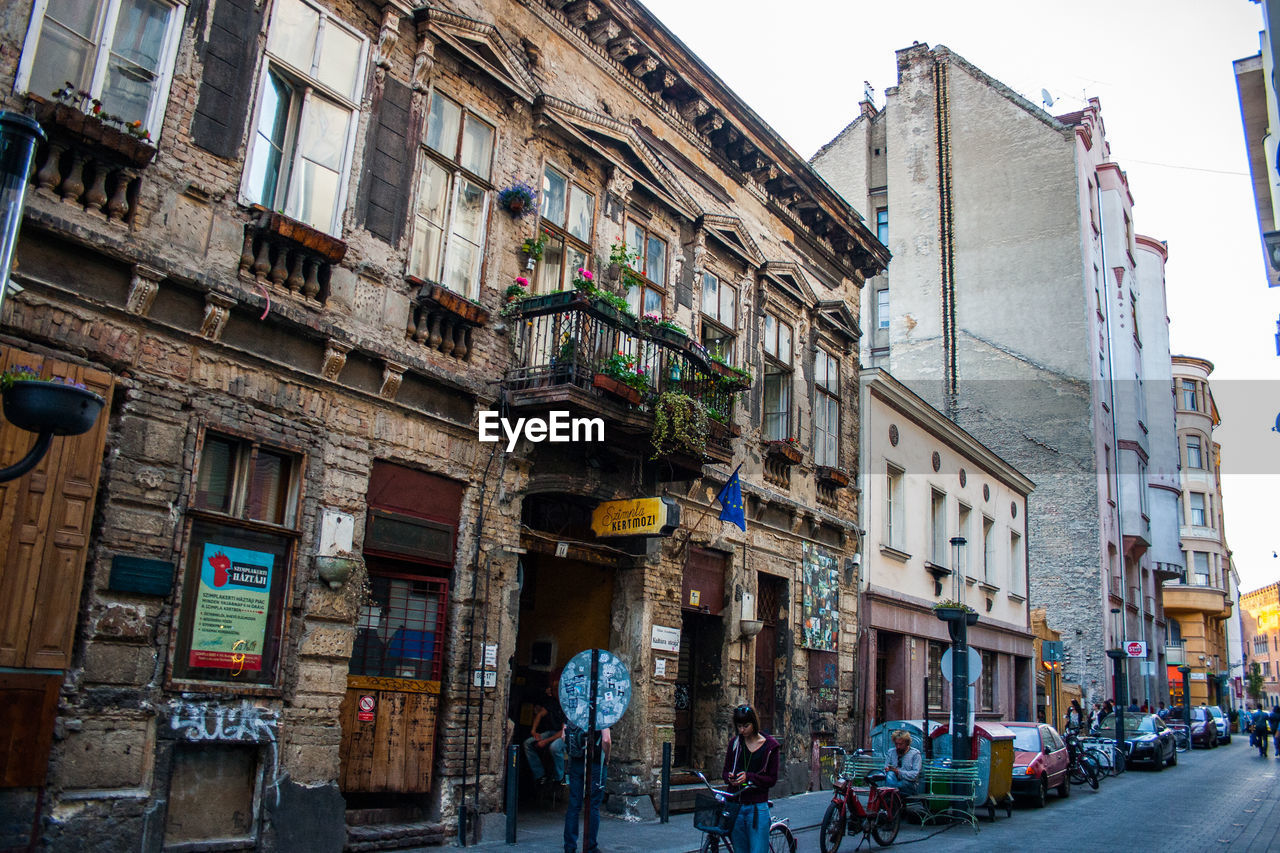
column 710, row 509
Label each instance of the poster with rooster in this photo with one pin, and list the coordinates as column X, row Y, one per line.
column 230, row 623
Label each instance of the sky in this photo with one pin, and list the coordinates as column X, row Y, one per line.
column 1162, row 71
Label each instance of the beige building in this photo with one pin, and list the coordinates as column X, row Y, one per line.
column 1199, row 603
column 1260, row 625
column 926, row 481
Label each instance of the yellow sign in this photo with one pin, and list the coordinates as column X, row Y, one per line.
column 637, row 517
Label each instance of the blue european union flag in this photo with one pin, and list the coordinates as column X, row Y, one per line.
column 730, row 498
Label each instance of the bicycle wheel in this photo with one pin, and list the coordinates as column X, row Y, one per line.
column 710, row 843
column 780, row 839
column 1181, row 740
column 1102, row 758
column 885, row 829
column 833, row 827
column 1118, row 759
column 1090, row 772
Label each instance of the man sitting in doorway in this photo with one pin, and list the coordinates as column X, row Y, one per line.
column 547, row 734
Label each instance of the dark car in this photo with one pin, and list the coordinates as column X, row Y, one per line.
column 1149, row 741
column 1040, row 762
column 1204, row 729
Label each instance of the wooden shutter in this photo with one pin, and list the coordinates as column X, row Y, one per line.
column 226, row 86
column 45, row 521
column 704, row 581
column 388, row 161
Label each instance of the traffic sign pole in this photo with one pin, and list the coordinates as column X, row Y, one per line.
column 588, row 794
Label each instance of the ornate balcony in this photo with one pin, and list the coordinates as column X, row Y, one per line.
column 443, row 320
column 290, row 256
column 567, row 350
column 87, row 162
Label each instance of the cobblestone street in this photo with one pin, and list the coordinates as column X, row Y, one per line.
column 1225, row 799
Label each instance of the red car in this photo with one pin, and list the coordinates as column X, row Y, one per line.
column 1040, row 762
column 1204, row 729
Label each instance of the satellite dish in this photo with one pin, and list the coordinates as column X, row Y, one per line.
column 1046, row 97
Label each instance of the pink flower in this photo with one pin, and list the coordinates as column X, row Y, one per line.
column 522, row 281
column 585, row 273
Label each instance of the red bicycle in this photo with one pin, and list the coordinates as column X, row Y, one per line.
column 879, row 818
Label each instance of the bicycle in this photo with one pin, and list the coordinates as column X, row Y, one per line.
column 1109, row 757
column 715, row 813
column 880, row 818
column 1181, row 737
column 1083, row 767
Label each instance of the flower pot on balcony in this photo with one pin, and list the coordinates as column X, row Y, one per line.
column 545, row 303
column 51, row 407
column 671, row 336
column 331, row 249
column 786, row 452
column 91, row 130
column 617, row 387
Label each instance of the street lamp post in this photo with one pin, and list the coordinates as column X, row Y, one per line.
column 1121, row 691
column 958, row 628
column 19, row 136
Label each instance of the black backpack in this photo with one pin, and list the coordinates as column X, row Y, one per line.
column 575, row 741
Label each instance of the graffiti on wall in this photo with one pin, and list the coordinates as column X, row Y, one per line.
column 217, row 722
column 820, row 610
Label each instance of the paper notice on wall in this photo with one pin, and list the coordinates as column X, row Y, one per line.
column 660, row 667
column 232, row 601
column 490, row 655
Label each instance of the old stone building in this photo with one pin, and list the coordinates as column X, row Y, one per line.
column 1024, row 305
column 284, row 596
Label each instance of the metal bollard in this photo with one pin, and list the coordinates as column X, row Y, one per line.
column 664, row 798
column 513, row 790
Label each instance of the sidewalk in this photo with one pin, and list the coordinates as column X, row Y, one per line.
column 543, row 831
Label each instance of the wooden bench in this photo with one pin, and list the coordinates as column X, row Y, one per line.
column 946, row 791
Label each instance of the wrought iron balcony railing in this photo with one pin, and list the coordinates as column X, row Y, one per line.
column 616, row 364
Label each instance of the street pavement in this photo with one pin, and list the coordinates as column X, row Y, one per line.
column 1224, row 799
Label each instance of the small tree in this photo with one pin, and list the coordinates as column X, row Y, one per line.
column 1253, row 683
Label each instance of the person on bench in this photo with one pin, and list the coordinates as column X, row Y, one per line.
column 902, row 765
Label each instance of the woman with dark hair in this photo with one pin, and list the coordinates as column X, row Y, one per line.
column 751, row 769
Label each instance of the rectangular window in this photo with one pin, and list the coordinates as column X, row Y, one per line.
column 1194, row 458
column 882, row 308
column 962, row 529
column 1197, row 509
column 453, row 198
column 826, row 414
column 988, row 550
column 719, row 317
column 1143, row 504
column 1189, row 395
column 894, row 534
column 1201, row 567
column 119, row 51
column 988, row 699
column 938, row 528
column 1017, row 576
column 239, row 551
column 299, row 154
column 400, row 633
column 882, row 225
column 568, row 222
column 777, row 379
column 648, row 296
column 935, row 676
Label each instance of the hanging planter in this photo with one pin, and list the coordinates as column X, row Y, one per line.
column 518, row 198
column 618, row 388
column 51, row 406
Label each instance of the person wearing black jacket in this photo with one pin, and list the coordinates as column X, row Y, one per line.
column 751, row 768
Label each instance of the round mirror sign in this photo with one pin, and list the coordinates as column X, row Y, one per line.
column 613, row 689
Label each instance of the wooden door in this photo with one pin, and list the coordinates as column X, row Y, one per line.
column 769, row 609
column 388, row 734
column 45, row 522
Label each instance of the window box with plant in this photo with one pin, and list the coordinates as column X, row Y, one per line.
column 620, row 375
column 950, row 610
column 786, row 450
column 518, row 198
column 665, row 330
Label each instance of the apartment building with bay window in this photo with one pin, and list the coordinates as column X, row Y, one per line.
column 282, row 597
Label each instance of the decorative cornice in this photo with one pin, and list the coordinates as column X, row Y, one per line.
column 460, row 32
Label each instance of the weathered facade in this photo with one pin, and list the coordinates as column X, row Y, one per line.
column 1015, row 306
column 284, row 580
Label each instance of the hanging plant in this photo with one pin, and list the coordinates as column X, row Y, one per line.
column 534, row 246
column 518, row 198
column 679, row 425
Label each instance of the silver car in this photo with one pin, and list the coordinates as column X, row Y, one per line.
column 1224, row 727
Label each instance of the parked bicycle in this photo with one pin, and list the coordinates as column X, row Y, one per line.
column 1083, row 767
column 714, row 814
column 1109, row 757
column 1181, row 736
column 880, row 817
